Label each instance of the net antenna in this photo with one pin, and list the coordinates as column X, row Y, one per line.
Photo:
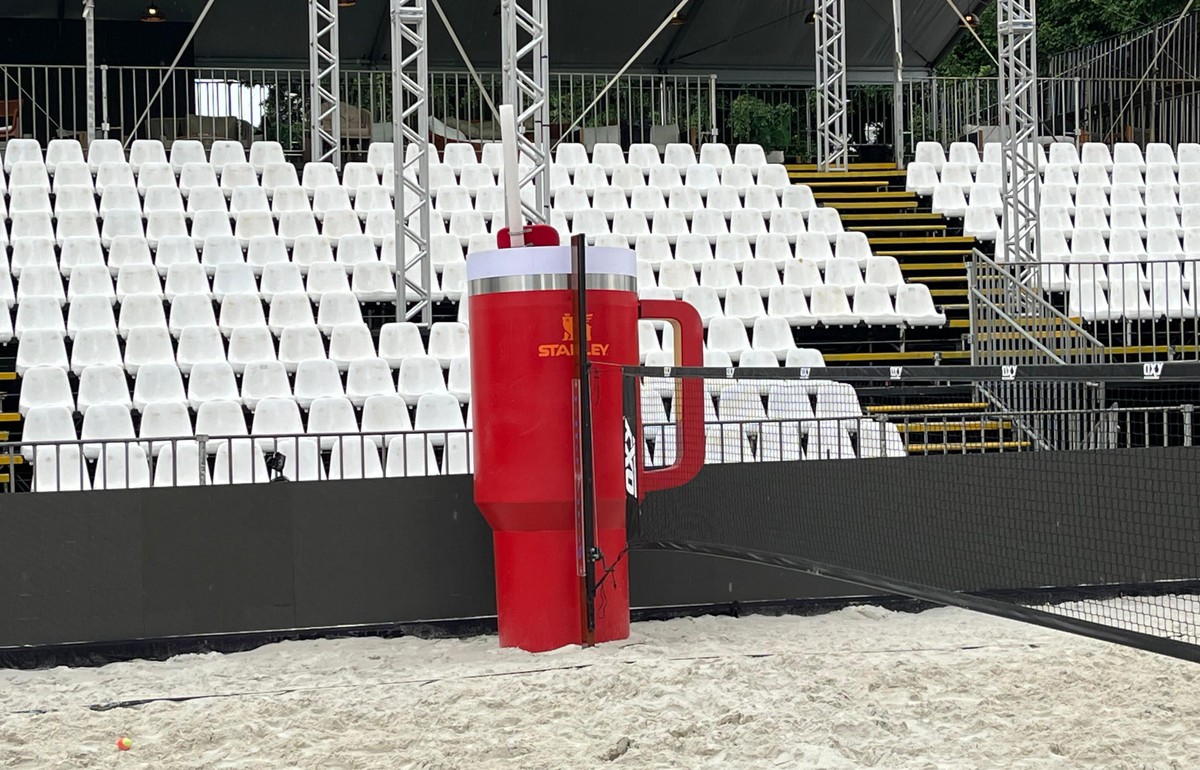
column 512, row 176
column 587, row 553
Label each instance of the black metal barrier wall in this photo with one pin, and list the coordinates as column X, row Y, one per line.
column 155, row 563
column 148, row 564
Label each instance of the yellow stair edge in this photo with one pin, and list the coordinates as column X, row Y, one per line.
column 940, row 278
column 912, row 355
column 862, row 228
column 952, row 407
column 7, row 460
column 889, row 195
column 946, row 427
column 966, row 446
column 9, row 417
column 8, row 376
column 921, row 266
column 871, row 205
column 850, row 169
column 1126, row 350
column 915, row 240
column 960, row 253
column 1026, row 323
column 816, row 185
column 901, row 216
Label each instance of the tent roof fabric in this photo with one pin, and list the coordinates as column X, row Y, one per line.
column 767, row 40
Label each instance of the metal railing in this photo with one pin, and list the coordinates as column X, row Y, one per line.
column 97, row 464
column 1013, row 322
column 935, row 433
column 248, row 103
column 1135, row 309
column 251, row 103
column 1166, row 106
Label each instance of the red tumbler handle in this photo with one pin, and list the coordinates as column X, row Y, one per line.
column 689, row 411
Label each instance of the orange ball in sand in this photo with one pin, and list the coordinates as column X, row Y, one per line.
column 124, row 744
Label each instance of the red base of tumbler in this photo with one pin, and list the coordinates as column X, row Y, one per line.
column 538, row 597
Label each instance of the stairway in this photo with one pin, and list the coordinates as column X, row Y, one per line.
column 7, row 419
column 951, row 426
column 871, row 199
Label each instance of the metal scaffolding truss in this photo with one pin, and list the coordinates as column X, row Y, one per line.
column 89, row 26
column 323, row 77
column 525, row 90
column 829, row 19
column 1017, row 28
column 410, row 162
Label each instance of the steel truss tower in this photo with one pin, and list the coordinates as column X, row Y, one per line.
column 525, row 90
column 324, row 82
column 829, row 19
column 1017, row 28
column 410, row 161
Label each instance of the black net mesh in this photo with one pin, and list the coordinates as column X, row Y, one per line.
column 1066, row 496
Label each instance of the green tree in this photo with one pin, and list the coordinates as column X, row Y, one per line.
column 1063, row 25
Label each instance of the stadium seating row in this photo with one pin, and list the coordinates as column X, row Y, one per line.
column 791, row 305
column 379, row 224
column 319, row 180
column 922, row 179
column 1065, row 153
column 125, row 465
column 275, row 416
column 569, row 155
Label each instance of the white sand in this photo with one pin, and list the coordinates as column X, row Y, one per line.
column 862, row 687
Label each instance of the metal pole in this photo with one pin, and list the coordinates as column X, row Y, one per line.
column 89, row 25
column 324, row 82
column 832, row 142
column 462, row 52
column 712, row 108
column 170, row 71
column 897, row 86
column 410, row 104
column 613, row 80
column 104, row 99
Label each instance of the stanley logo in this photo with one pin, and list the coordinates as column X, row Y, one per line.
column 567, row 346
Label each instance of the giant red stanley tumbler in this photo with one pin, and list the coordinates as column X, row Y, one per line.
column 522, row 366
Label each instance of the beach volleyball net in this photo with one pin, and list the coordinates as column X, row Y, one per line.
column 1066, row 496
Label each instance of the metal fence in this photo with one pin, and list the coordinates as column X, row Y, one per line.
column 1135, row 309
column 272, row 103
column 1164, row 107
column 1014, row 321
column 97, row 464
column 935, row 433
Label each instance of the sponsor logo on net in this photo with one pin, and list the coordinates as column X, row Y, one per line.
column 630, row 461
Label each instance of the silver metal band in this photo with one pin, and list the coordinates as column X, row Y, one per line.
column 549, row 281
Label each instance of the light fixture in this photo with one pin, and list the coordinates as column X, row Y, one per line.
column 811, row 18
column 969, row 20
column 152, row 14
column 678, row 20
column 347, row 3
